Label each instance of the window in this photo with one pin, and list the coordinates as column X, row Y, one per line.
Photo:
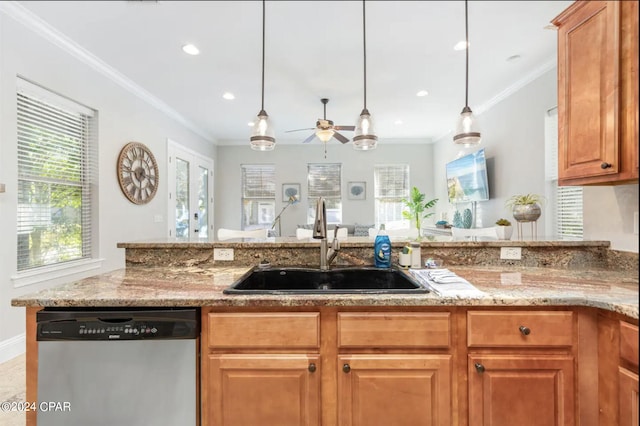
column 258, row 196
column 565, row 202
column 56, row 173
column 324, row 180
column 391, row 185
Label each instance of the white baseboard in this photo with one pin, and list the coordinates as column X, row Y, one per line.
column 12, row 347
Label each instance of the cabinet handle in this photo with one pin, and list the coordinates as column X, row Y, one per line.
column 605, row 165
column 346, row 368
column 479, row 367
column 525, row 330
column 312, row 368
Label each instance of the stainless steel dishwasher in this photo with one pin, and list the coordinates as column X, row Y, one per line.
column 117, row 367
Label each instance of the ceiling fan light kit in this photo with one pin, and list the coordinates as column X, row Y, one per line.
column 262, row 135
column 365, row 137
column 467, row 129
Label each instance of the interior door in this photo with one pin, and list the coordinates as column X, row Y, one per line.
column 190, row 193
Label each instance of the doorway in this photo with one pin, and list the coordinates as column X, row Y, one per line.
column 190, row 193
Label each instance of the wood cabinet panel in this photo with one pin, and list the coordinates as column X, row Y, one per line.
column 629, row 401
column 394, row 390
column 249, row 390
column 523, row 390
column 598, row 93
column 629, row 343
column 393, row 330
column 519, row 329
column 293, row 330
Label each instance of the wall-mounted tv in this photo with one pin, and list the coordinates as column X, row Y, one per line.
column 467, row 178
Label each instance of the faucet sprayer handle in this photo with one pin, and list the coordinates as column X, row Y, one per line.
column 335, row 232
column 320, row 223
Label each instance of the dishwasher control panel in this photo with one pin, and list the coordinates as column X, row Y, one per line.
column 117, row 324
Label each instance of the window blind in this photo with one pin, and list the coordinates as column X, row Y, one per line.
column 391, row 185
column 56, row 171
column 324, row 180
column 258, row 181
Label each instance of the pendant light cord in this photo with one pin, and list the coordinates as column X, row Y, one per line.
column 364, row 44
column 466, row 29
column 263, row 34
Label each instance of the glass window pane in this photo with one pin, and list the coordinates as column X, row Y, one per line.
column 258, row 196
column 182, row 198
column 203, row 214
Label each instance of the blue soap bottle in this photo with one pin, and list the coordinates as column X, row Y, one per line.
column 382, row 249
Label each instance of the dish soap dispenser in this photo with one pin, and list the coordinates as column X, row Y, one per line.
column 382, row 249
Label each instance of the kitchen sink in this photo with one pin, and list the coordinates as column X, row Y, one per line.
column 357, row 280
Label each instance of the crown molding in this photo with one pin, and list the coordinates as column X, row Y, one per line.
column 528, row 78
column 39, row 26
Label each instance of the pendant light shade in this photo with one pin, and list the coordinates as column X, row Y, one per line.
column 262, row 135
column 364, row 137
column 467, row 130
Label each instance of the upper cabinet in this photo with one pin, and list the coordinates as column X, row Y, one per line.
column 598, row 93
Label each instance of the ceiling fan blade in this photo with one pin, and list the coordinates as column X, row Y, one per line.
column 340, row 137
column 310, row 138
column 299, row 130
column 349, row 128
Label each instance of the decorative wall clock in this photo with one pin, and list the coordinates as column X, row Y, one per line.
column 137, row 173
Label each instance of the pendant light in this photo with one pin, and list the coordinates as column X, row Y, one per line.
column 364, row 138
column 262, row 135
column 467, row 131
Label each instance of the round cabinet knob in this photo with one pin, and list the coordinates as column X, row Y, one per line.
column 525, row 330
column 605, row 165
column 346, row 368
column 312, row 368
column 479, row 367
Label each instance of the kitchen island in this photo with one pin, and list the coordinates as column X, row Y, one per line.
column 560, row 333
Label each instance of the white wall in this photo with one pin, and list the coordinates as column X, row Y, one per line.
column 513, row 137
column 291, row 167
column 123, row 117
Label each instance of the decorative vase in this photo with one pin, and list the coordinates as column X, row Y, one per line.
column 526, row 212
column 467, row 219
column 504, row 232
column 457, row 219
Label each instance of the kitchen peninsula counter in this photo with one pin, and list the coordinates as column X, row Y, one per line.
column 194, row 286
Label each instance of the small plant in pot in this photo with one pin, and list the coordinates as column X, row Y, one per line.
column 416, row 208
column 525, row 208
column 504, row 230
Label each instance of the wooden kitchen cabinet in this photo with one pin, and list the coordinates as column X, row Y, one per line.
column 598, row 93
column 628, row 375
column 409, row 386
column 521, row 368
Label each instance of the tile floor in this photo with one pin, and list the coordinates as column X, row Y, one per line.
column 12, row 389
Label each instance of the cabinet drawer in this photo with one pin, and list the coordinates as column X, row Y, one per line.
column 389, row 330
column 528, row 329
column 294, row 330
column 629, row 342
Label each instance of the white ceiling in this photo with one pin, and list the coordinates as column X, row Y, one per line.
column 314, row 50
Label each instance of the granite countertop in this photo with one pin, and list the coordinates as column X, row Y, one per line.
column 503, row 286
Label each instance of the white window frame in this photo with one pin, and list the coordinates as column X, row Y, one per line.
column 325, row 180
column 61, row 115
column 261, row 194
column 564, row 202
column 390, row 196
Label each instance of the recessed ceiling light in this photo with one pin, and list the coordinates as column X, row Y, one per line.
column 190, row 49
column 397, row 122
column 461, row 45
column 514, row 58
column 422, row 93
column 228, row 96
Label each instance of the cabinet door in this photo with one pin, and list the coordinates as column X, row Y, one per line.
column 250, row 390
column 394, row 390
column 523, row 390
column 629, row 401
column 588, row 77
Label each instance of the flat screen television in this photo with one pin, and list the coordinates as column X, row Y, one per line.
column 467, row 178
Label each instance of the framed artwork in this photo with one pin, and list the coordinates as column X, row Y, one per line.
column 357, row 190
column 290, row 190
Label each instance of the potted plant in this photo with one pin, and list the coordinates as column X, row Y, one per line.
column 416, row 207
column 525, row 208
column 504, row 230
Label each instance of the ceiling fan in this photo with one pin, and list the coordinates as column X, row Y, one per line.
column 325, row 130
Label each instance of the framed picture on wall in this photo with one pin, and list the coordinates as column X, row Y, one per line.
column 357, row 190
column 290, row 190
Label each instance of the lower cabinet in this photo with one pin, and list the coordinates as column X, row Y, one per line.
column 394, row 390
column 264, row 389
column 507, row 390
column 628, row 388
